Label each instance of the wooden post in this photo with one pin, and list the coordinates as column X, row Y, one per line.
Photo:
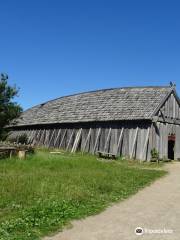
column 36, row 137
column 97, row 138
column 49, row 144
column 46, row 142
column 63, row 138
column 22, row 154
column 11, row 152
column 120, row 139
column 107, row 140
column 74, row 148
column 145, row 144
column 29, row 136
column 70, row 140
column 134, row 143
column 41, row 137
column 56, row 139
column 87, row 139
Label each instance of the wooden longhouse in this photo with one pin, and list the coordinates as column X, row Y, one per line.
column 124, row 121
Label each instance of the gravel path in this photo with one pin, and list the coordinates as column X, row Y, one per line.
column 155, row 207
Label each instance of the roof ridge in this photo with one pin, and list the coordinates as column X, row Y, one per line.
column 97, row 90
column 128, row 103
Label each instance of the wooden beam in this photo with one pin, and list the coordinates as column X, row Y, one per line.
column 63, row 138
column 77, row 139
column 87, row 139
column 120, row 139
column 30, row 137
column 97, row 138
column 56, row 139
column 36, row 137
column 47, row 137
column 50, row 140
column 162, row 114
column 145, row 144
column 70, row 139
column 166, row 120
column 42, row 135
column 107, row 140
column 134, row 142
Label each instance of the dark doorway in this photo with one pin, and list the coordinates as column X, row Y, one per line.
column 171, row 145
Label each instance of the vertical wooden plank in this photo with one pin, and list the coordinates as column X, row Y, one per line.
column 120, row 140
column 41, row 137
column 30, row 136
column 56, row 139
column 113, row 143
column 87, row 139
column 63, row 137
column 158, row 137
column 102, row 140
column 125, row 146
column 51, row 138
column 77, row 139
column 107, row 140
column 177, row 144
column 134, row 142
column 92, row 140
column 144, row 151
column 46, row 141
column 165, row 141
column 174, row 107
column 70, row 139
column 36, row 139
column 150, row 142
column 97, row 139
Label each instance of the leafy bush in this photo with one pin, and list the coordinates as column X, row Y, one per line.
column 23, row 139
column 154, row 154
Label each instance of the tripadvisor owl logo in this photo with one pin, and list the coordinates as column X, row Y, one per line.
column 139, row 231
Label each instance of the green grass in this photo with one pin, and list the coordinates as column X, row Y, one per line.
column 139, row 164
column 41, row 194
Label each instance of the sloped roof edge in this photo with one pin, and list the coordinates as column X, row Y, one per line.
column 127, row 103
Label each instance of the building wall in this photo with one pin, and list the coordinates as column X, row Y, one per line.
column 134, row 139
column 170, row 108
column 168, row 123
column 160, row 133
column 128, row 138
column 177, row 145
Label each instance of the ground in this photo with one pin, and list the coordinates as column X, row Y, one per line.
column 43, row 193
column 155, row 207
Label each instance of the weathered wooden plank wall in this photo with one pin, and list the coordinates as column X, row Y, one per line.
column 160, row 132
column 177, row 144
column 129, row 139
column 171, row 108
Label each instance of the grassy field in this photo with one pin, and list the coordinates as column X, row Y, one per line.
column 44, row 192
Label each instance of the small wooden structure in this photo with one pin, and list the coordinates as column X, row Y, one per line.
column 8, row 149
column 106, row 155
column 124, row 121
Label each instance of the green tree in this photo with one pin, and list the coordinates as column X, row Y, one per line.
column 8, row 108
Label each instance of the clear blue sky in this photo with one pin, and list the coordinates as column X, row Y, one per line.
column 52, row 48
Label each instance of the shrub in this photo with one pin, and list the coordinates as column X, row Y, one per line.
column 23, row 139
column 154, row 154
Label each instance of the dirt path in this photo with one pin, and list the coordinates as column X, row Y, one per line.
column 155, row 207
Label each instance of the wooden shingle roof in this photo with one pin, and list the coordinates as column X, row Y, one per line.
column 103, row 105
